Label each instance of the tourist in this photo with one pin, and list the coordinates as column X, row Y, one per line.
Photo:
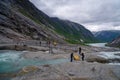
column 50, row 47
column 40, row 43
column 83, row 56
column 79, row 50
column 71, row 57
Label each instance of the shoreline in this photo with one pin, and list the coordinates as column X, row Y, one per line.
column 91, row 58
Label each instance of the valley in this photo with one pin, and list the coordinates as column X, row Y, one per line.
column 36, row 46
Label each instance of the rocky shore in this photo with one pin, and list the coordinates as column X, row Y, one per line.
column 93, row 68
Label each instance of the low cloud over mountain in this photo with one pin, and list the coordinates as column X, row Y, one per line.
column 96, row 15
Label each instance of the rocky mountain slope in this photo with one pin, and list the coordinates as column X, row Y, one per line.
column 16, row 26
column 73, row 32
column 21, row 20
column 115, row 42
column 107, row 36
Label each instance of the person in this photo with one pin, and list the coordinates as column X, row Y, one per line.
column 48, row 43
column 83, row 56
column 50, row 47
column 71, row 57
column 79, row 50
column 40, row 43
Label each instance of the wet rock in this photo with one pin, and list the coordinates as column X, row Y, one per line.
column 18, row 48
column 71, row 74
column 97, row 59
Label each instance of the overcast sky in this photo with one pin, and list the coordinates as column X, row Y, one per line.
column 95, row 15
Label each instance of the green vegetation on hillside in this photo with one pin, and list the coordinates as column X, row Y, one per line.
column 73, row 33
column 28, row 15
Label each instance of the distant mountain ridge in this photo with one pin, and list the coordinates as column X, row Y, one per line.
column 20, row 19
column 107, row 35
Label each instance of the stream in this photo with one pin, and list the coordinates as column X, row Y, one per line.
column 113, row 57
column 12, row 61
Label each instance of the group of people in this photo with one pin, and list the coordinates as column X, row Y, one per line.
column 80, row 54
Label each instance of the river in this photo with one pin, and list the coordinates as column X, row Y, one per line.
column 114, row 57
column 12, row 61
column 98, row 45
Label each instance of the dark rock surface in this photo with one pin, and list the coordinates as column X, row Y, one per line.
column 16, row 26
column 21, row 20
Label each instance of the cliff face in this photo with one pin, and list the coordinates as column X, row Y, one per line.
column 115, row 43
column 21, row 20
column 14, row 25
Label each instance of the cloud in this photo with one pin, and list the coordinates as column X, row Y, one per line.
column 104, row 26
column 94, row 14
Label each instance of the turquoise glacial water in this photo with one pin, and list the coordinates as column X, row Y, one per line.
column 12, row 61
column 9, row 61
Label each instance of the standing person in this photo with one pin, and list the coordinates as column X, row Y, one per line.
column 79, row 50
column 48, row 43
column 83, row 56
column 71, row 57
column 50, row 47
column 40, row 43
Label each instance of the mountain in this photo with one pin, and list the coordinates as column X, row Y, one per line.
column 15, row 26
column 107, row 35
column 72, row 31
column 21, row 20
column 115, row 42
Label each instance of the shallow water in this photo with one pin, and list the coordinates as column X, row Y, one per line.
column 113, row 57
column 12, row 61
column 9, row 61
column 108, row 55
column 98, row 45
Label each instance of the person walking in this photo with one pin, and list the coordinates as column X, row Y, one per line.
column 79, row 50
column 71, row 57
column 83, row 56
